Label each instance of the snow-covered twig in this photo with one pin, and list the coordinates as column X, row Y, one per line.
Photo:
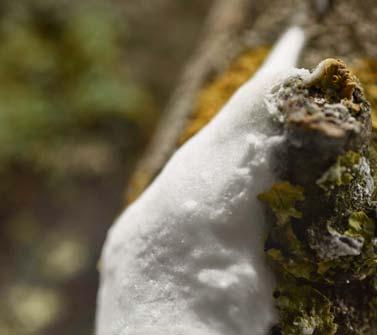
column 187, row 257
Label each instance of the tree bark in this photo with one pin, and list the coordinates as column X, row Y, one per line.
column 345, row 29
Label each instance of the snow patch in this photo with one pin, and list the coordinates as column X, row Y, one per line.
column 187, row 257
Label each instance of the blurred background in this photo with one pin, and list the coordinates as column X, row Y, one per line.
column 82, row 85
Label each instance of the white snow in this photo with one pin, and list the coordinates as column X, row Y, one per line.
column 187, row 257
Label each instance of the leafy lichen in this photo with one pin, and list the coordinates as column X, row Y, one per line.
column 282, row 198
column 305, row 311
column 341, row 172
column 323, row 246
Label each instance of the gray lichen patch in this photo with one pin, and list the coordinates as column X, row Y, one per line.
column 329, row 100
column 327, row 255
column 352, row 172
column 335, row 245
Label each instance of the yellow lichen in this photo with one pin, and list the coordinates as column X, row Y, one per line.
column 217, row 93
column 282, row 198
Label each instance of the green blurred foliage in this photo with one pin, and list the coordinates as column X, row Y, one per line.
column 63, row 77
column 72, row 121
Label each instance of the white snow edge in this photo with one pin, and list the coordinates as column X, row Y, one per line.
column 187, row 257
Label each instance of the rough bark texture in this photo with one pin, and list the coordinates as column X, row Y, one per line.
column 323, row 247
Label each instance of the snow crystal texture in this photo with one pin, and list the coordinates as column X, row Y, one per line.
column 187, row 257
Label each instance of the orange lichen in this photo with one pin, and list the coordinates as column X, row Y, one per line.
column 333, row 77
column 217, row 93
column 366, row 71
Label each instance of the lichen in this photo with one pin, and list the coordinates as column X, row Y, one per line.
column 341, row 172
column 316, row 105
column 281, row 199
column 218, row 91
column 323, row 246
column 304, row 311
column 333, row 77
column 317, row 271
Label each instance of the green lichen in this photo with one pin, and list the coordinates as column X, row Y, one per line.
column 359, row 224
column 286, row 250
column 298, row 267
column 341, row 172
column 323, row 247
column 309, row 296
column 282, row 198
column 337, row 250
column 304, row 311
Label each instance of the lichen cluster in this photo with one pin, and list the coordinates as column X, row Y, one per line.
column 323, row 242
column 321, row 104
column 334, row 255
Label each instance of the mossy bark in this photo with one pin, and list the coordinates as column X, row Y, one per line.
column 325, row 257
